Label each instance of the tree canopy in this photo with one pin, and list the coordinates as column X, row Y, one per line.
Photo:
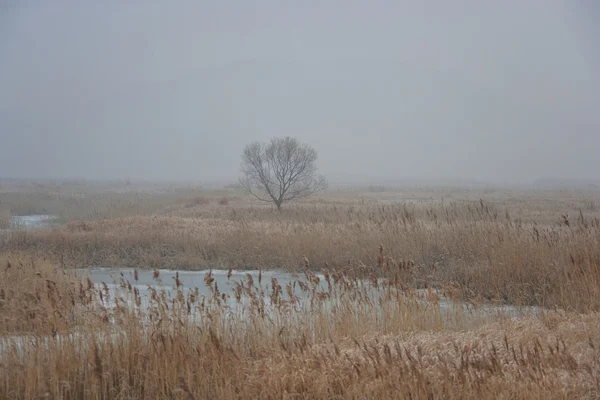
column 281, row 170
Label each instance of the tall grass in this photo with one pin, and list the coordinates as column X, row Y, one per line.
column 5, row 219
column 353, row 337
column 491, row 254
column 367, row 318
column 35, row 296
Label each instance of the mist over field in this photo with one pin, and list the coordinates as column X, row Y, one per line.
column 302, row 199
column 503, row 92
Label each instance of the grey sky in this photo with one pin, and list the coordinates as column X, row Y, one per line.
column 501, row 91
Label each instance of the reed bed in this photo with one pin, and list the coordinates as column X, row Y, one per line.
column 485, row 250
column 392, row 298
column 36, row 296
column 343, row 334
column 5, row 219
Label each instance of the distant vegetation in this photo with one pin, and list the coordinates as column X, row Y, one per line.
column 5, row 219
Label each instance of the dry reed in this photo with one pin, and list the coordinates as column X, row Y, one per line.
column 363, row 331
column 349, row 340
column 485, row 250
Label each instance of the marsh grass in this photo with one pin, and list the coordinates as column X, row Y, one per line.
column 36, row 296
column 5, row 219
column 86, row 201
column 353, row 337
column 480, row 247
column 363, row 320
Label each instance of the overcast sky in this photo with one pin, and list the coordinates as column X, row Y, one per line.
column 505, row 91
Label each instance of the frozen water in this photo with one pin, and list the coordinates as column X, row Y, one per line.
column 32, row 221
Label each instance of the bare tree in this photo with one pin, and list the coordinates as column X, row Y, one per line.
column 281, row 170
